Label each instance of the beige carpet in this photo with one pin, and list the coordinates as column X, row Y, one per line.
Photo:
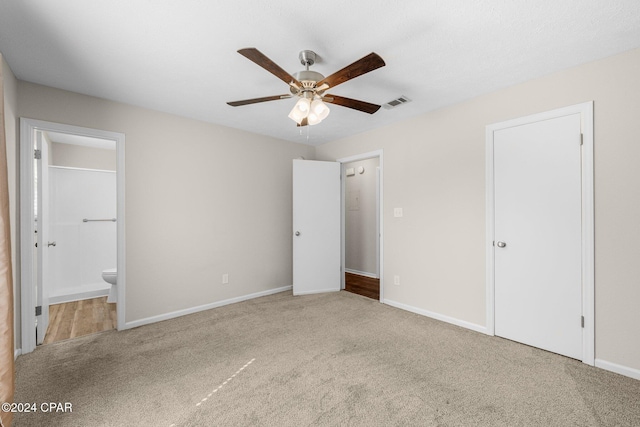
column 318, row 360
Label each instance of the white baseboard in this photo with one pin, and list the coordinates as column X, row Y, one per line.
column 179, row 313
column 618, row 369
column 441, row 317
column 321, row 291
column 17, row 353
column 77, row 296
column 361, row 273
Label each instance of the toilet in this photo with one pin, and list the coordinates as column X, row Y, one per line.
column 110, row 275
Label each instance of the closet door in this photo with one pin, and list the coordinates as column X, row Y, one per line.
column 538, row 234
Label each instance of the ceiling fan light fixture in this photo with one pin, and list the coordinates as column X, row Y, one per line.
column 318, row 112
column 300, row 110
column 320, row 109
column 313, row 119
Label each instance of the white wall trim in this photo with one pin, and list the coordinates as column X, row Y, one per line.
column 437, row 316
column 361, row 273
column 179, row 313
column 363, row 156
column 80, row 169
column 489, row 234
column 17, row 353
column 27, row 297
column 354, row 158
column 317, row 291
column 78, row 296
column 618, row 369
column 588, row 244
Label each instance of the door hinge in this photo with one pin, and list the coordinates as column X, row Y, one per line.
column 582, row 321
column 37, row 154
column 38, row 310
column 581, row 139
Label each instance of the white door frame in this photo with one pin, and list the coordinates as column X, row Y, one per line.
column 42, row 238
column 588, row 275
column 343, row 213
column 28, row 128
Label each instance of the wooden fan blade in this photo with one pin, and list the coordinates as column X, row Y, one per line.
column 259, row 58
column 256, row 100
column 358, row 68
column 304, row 122
column 363, row 106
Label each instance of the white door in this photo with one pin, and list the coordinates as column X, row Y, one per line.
column 538, row 241
column 44, row 245
column 316, row 227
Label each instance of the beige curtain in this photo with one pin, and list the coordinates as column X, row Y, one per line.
column 7, row 372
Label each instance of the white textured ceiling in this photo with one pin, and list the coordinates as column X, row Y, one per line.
column 180, row 56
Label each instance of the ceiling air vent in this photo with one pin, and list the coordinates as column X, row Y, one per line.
column 396, row 102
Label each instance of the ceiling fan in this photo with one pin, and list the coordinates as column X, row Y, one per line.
column 310, row 86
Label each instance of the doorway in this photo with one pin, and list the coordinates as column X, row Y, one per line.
column 319, row 223
column 361, row 224
column 540, row 231
column 62, row 259
column 361, row 189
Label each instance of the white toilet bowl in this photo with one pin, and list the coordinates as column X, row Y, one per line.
column 110, row 275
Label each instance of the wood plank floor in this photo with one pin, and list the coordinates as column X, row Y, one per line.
column 78, row 318
column 362, row 285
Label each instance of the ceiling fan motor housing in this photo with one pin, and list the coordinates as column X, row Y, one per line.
column 307, row 77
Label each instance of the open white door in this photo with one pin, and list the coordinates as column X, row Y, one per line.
column 316, row 227
column 44, row 245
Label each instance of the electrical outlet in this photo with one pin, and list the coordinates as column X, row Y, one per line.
column 396, row 280
column 397, row 212
column 225, row 278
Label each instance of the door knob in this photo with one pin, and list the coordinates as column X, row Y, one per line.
column 297, row 233
column 501, row 244
column 51, row 244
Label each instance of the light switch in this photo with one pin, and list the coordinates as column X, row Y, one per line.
column 397, row 212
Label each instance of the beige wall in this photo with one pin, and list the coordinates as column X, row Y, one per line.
column 78, row 156
column 201, row 200
column 434, row 168
column 11, row 131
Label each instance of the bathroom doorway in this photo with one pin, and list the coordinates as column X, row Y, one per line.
column 81, row 243
column 73, row 192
